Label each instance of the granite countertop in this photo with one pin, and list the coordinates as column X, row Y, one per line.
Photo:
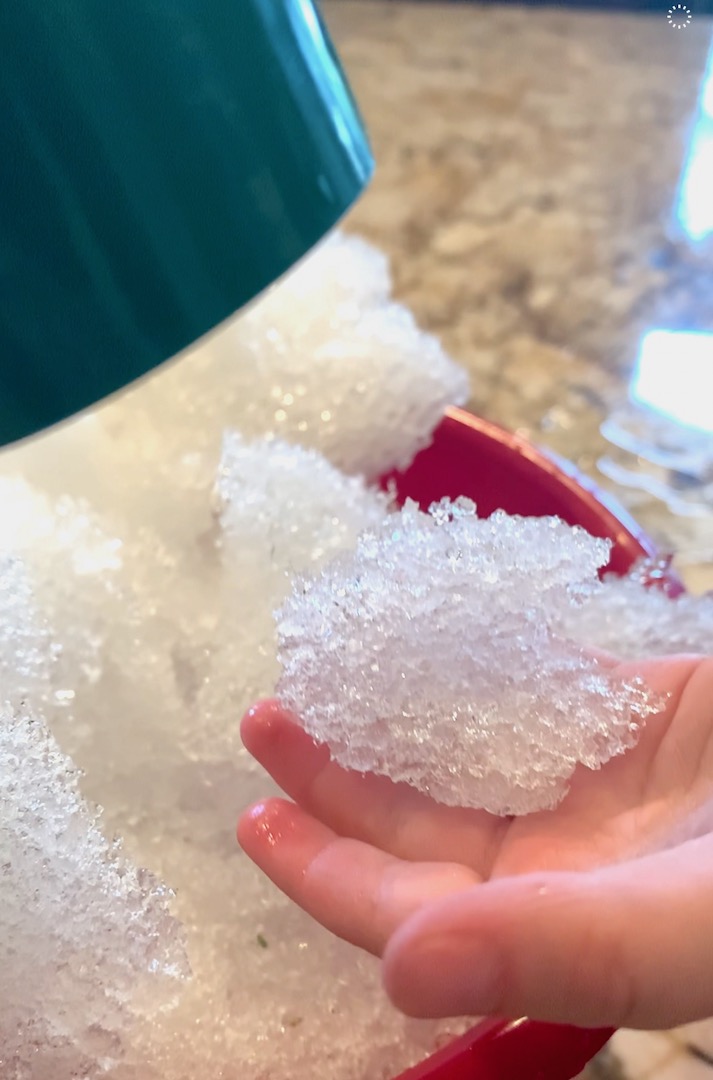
column 527, row 168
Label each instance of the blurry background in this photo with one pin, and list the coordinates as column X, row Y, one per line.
column 544, row 187
column 701, row 7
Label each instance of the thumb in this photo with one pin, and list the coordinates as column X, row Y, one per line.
column 627, row 946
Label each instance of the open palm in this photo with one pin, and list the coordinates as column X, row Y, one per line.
column 597, row 913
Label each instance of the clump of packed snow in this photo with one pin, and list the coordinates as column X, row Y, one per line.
column 433, row 654
column 631, row 620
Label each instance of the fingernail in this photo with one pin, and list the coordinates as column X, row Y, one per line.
column 267, row 820
column 261, row 706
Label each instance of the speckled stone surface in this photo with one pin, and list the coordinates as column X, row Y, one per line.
column 527, row 165
column 528, row 161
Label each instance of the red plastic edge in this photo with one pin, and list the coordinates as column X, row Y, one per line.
column 514, row 1050
column 499, row 469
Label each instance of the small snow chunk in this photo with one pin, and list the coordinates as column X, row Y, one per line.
column 634, row 617
column 435, row 655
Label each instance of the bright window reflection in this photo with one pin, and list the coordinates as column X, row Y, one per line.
column 695, row 200
column 674, row 376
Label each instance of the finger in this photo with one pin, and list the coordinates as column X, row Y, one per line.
column 668, row 679
column 671, row 677
column 356, row 891
column 664, row 757
column 680, row 747
column 629, row 946
column 394, row 817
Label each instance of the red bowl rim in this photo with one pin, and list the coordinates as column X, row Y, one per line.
column 619, row 524
column 489, row 1049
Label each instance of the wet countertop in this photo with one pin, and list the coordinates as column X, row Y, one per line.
column 529, row 168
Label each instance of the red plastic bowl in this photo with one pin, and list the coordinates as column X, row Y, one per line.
column 499, row 470
column 502, row 471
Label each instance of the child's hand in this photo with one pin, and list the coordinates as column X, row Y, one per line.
column 597, row 913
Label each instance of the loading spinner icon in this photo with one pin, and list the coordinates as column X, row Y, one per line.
column 679, row 16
